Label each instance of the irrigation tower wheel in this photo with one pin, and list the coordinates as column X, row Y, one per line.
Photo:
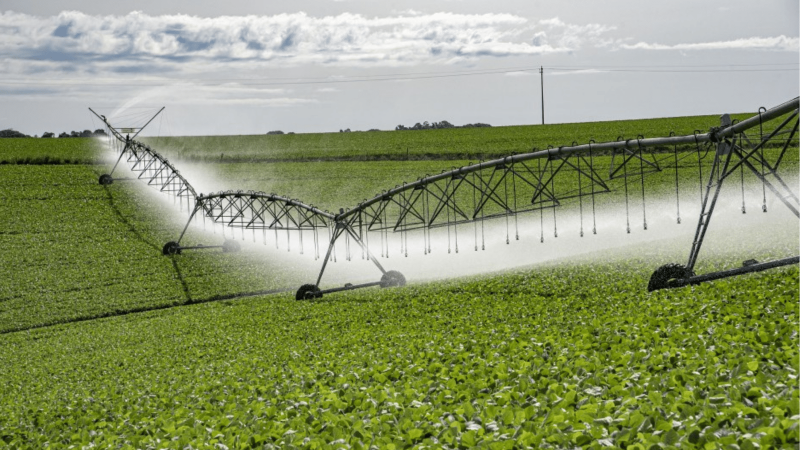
column 171, row 248
column 106, row 179
column 231, row 246
column 393, row 278
column 666, row 275
column 308, row 292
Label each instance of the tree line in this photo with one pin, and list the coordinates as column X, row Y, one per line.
column 439, row 125
column 11, row 133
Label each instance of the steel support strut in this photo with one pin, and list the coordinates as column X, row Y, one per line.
column 122, row 153
column 674, row 275
column 174, row 247
column 749, row 268
column 721, row 169
column 722, row 159
column 341, row 228
column 344, row 226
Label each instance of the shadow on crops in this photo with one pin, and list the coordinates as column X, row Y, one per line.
column 179, row 274
column 132, row 228
column 127, row 222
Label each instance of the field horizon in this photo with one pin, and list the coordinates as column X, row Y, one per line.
column 664, row 118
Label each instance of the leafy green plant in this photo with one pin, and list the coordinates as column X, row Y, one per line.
column 565, row 354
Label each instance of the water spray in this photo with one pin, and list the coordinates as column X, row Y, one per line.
column 503, row 188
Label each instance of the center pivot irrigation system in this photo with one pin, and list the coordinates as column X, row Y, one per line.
column 463, row 199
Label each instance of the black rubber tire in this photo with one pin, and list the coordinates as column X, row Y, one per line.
column 106, row 179
column 393, row 278
column 665, row 276
column 230, row 246
column 308, row 292
column 171, row 248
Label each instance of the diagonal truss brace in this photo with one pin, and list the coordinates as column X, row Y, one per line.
column 543, row 194
column 628, row 154
column 721, row 169
column 346, row 227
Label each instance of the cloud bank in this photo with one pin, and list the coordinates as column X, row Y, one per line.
column 141, row 43
column 778, row 43
column 285, row 38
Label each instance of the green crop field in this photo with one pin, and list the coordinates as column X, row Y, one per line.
column 46, row 151
column 108, row 344
column 466, row 143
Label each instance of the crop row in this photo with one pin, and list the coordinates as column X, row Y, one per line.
column 563, row 356
column 75, row 250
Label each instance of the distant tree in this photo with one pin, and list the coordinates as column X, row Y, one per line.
column 275, row 132
column 99, row 132
column 373, row 129
column 48, row 134
column 9, row 133
column 64, row 135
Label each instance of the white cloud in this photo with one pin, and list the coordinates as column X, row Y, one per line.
column 286, row 39
column 778, row 43
column 557, row 72
column 554, row 22
column 407, row 12
column 520, row 73
column 568, row 36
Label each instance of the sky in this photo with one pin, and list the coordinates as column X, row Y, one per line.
column 243, row 67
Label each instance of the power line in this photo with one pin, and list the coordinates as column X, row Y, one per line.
column 293, row 81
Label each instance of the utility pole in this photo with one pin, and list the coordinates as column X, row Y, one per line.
column 541, row 76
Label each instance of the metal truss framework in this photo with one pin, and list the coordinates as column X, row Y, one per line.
column 492, row 189
column 156, row 170
column 235, row 209
column 498, row 189
column 256, row 211
column 147, row 163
